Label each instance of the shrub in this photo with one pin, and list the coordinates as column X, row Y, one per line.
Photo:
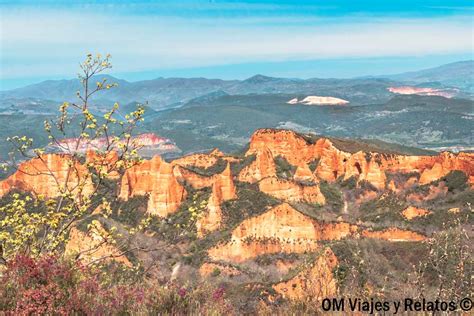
column 456, row 180
column 48, row 285
column 333, row 196
column 283, row 168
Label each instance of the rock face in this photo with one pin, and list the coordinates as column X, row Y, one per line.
column 284, row 229
column 412, row 212
column 393, row 234
column 104, row 163
column 199, row 160
column 192, row 178
column 281, row 229
column 304, row 174
column 212, row 218
column 288, row 144
column 223, row 189
column 369, row 170
column 49, row 176
column 156, row 179
column 291, row 192
column 224, row 184
column 262, row 167
column 372, row 167
column 316, row 282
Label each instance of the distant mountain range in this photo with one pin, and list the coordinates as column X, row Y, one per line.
column 459, row 75
column 165, row 93
column 200, row 114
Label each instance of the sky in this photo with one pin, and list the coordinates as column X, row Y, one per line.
column 42, row 40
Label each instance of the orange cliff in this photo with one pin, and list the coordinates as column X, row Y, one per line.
column 291, row 192
column 192, row 178
column 288, row 144
column 105, row 163
column 49, row 176
column 156, row 179
column 304, row 174
column 281, row 229
column 263, row 166
column 203, row 160
column 412, row 212
column 372, row 167
column 284, row 229
column 393, row 234
column 317, row 281
column 223, row 189
column 211, row 220
column 199, row 160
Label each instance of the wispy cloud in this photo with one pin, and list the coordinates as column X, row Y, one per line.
column 37, row 41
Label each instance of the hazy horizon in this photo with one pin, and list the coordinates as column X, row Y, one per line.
column 231, row 39
column 188, row 74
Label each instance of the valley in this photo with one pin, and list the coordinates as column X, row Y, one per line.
column 276, row 218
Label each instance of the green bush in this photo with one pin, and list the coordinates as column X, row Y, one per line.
column 283, row 168
column 455, row 181
column 334, row 198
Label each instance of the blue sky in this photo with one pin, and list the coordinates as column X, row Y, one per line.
column 231, row 39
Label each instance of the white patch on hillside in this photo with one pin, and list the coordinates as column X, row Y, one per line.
column 293, row 101
column 318, row 100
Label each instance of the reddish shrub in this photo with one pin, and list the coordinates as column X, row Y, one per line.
column 49, row 285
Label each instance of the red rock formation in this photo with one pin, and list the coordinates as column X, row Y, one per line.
column 412, row 212
column 285, row 143
column 49, row 176
column 104, row 163
column 303, row 174
column 284, row 229
column 394, row 234
column 432, row 174
column 291, row 192
column 431, row 168
column 200, row 160
column 368, row 170
column 192, row 178
column 316, row 282
column 262, row 167
column 331, row 162
column 454, row 210
column 155, row 178
column 334, row 163
column 225, row 184
column 281, row 229
column 223, row 189
column 212, row 218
